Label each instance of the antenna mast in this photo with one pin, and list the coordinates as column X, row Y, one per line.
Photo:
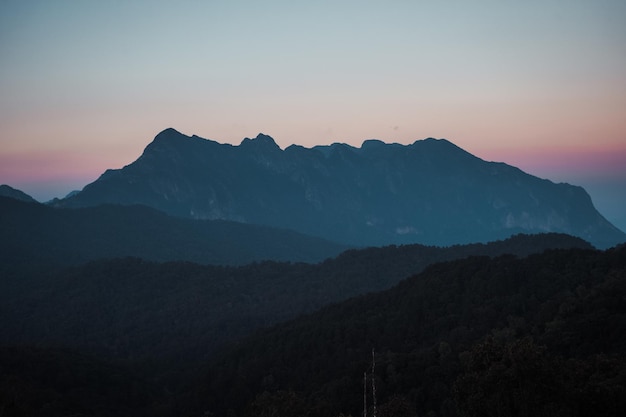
column 374, row 381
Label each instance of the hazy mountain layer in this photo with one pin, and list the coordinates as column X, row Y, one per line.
column 32, row 233
column 430, row 192
column 7, row 191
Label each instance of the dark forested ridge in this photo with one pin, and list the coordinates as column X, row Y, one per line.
column 35, row 233
column 126, row 336
column 430, row 192
column 543, row 335
column 132, row 308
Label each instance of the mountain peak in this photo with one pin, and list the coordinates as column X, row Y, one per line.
column 168, row 133
column 372, row 143
column 261, row 140
column 431, row 140
column 166, row 139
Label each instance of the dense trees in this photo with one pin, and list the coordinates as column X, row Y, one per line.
column 135, row 309
column 481, row 335
column 520, row 378
column 60, row 382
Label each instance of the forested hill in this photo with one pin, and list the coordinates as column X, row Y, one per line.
column 33, row 233
column 127, row 337
column 180, row 309
column 543, row 335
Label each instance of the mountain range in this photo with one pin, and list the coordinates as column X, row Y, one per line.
column 430, row 192
column 206, row 279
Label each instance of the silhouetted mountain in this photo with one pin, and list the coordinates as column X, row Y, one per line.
column 7, row 191
column 72, row 193
column 430, row 192
column 542, row 335
column 31, row 233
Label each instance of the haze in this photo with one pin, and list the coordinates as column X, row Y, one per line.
column 85, row 86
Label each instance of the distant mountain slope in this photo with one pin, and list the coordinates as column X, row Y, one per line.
column 430, row 192
column 33, row 232
column 8, row 191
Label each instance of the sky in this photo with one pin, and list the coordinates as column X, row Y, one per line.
column 86, row 85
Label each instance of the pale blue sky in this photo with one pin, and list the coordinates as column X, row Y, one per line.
column 85, row 85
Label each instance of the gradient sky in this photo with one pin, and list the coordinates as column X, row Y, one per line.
column 86, row 85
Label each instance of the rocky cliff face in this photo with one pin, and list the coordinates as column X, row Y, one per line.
column 429, row 192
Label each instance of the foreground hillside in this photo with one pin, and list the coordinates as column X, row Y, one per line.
column 539, row 336
column 504, row 336
column 127, row 336
column 430, row 192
